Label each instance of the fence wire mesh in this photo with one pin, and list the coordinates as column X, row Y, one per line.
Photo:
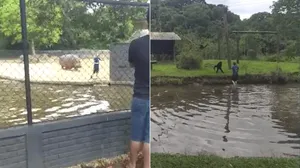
column 78, row 58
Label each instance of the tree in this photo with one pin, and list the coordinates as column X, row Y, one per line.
column 3, row 41
column 262, row 21
column 44, row 22
column 96, row 25
column 182, row 3
column 287, row 17
column 194, row 19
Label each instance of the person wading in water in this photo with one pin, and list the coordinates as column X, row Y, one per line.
column 235, row 73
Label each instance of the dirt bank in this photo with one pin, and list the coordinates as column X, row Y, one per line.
column 224, row 80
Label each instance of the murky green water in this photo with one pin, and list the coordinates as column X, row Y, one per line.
column 252, row 120
column 53, row 102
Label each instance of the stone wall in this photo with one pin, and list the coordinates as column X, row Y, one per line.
column 65, row 143
column 13, row 152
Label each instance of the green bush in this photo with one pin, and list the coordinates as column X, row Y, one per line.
column 291, row 50
column 187, row 60
column 273, row 58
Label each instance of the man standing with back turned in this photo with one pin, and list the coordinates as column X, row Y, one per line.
column 140, row 109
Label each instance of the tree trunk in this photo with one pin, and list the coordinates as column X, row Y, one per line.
column 219, row 45
column 278, row 52
column 32, row 48
column 227, row 40
column 174, row 53
column 238, row 50
column 32, row 56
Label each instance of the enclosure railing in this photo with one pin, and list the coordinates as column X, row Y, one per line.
column 26, row 61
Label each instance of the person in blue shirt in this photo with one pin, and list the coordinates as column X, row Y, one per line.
column 96, row 66
column 235, row 73
column 138, row 57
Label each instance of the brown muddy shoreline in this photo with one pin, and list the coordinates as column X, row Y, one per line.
column 226, row 79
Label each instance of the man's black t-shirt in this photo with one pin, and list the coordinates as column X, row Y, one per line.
column 139, row 58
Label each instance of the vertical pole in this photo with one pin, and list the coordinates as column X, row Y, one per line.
column 278, row 43
column 174, row 53
column 158, row 15
column 219, row 44
column 278, row 51
column 26, row 60
column 227, row 39
column 238, row 49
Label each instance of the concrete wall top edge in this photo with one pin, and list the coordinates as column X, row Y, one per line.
column 83, row 120
column 13, row 131
column 64, row 124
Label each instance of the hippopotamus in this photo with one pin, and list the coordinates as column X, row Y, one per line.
column 69, row 61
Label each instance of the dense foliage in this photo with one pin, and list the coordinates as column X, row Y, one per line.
column 67, row 24
column 70, row 24
column 202, row 24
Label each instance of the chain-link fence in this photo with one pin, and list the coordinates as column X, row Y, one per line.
column 71, row 58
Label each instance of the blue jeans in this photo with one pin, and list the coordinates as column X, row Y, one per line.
column 140, row 120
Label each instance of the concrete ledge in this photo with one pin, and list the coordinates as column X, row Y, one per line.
column 83, row 120
column 66, row 123
column 74, row 83
column 66, row 142
column 226, row 79
column 13, row 132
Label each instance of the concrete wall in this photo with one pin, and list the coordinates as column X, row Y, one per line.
column 13, row 151
column 65, row 143
column 120, row 69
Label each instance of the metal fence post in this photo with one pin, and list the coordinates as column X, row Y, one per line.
column 26, row 61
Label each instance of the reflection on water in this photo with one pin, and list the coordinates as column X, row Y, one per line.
column 253, row 120
column 52, row 102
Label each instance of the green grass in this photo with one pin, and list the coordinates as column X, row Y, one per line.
column 246, row 66
column 207, row 161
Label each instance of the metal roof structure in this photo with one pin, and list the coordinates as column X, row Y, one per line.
column 154, row 35
column 138, row 34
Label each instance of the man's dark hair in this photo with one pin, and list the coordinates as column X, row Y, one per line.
column 234, row 63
